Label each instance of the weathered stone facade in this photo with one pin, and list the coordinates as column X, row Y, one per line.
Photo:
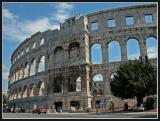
column 67, row 56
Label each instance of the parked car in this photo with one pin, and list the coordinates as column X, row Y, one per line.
column 138, row 109
column 39, row 110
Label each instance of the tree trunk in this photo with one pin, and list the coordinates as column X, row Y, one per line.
column 139, row 101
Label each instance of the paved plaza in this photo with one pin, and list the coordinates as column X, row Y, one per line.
column 80, row 115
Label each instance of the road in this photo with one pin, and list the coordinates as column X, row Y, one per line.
column 80, row 115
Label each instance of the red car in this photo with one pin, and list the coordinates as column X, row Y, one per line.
column 39, row 110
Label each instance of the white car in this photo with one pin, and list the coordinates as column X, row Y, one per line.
column 138, row 109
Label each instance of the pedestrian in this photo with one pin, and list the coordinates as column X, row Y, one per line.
column 54, row 108
column 11, row 109
column 97, row 106
column 125, row 106
column 77, row 107
column 16, row 109
column 60, row 109
column 19, row 109
column 112, row 106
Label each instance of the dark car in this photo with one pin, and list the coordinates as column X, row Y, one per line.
column 39, row 110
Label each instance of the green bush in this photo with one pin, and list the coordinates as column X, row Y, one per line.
column 150, row 103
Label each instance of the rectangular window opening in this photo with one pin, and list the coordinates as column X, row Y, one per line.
column 129, row 20
column 111, row 23
column 94, row 26
column 148, row 19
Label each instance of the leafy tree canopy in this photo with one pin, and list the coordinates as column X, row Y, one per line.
column 134, row 78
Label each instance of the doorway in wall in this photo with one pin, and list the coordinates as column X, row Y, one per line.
column 58, row 105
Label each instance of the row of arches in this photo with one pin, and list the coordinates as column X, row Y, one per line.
column 28, row 69
column 28, row 91
column 26, row 50
column 74, row 84
column 114, row 50
column 73, row 51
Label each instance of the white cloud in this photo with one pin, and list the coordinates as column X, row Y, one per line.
column 5, row 72
column 62, row 11
column 5, row 68
column 151, row 52
column 64, row 6
column 8, row 15
column 133, row 56
column 98, row 77
column 5, row 75
column 37, row 25
column 17, row 30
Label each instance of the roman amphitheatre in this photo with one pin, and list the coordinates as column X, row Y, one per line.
column 55, row 67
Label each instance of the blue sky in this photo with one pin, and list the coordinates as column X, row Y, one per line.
column 21, row 20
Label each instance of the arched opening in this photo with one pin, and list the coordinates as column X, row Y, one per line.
column 33, row 67
column 97, row 85
column 19, row 92
column 72, row 84
column 41, row 88
column 133, row 51
column 96, row 54
column 42, row 41
column 17, row 74
column 26, row 69
column 24, row 91
column 16, row 93
column 34, row 45
column 27, row 49
column 41, row 65
column 78, row 84
column 58, row 54
column 151, row 45
column 21, row 72
column 57, row 84
column 74, row 49
column 114, row 51
column 32, row 86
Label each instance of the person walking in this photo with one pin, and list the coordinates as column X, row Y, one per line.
column 97, row 106
column 125, row 106
column 112, row 106
column 11, row 109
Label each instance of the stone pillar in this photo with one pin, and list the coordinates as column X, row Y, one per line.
column 84, row 49
column 65, row 87
column 22, row 72
column 123, row 48
column 66, row 54
column 85, row 93
column 18, row 74
column 46, row 60
column 104, row 52
column 142, row 47
column 29, row 69
column 65, row 94
column 28, row 92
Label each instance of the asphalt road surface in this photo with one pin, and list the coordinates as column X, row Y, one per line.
column 152, row 115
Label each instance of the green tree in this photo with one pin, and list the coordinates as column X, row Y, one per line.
column 134, row 79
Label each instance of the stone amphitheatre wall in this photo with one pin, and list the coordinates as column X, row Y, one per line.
column 66, row 55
